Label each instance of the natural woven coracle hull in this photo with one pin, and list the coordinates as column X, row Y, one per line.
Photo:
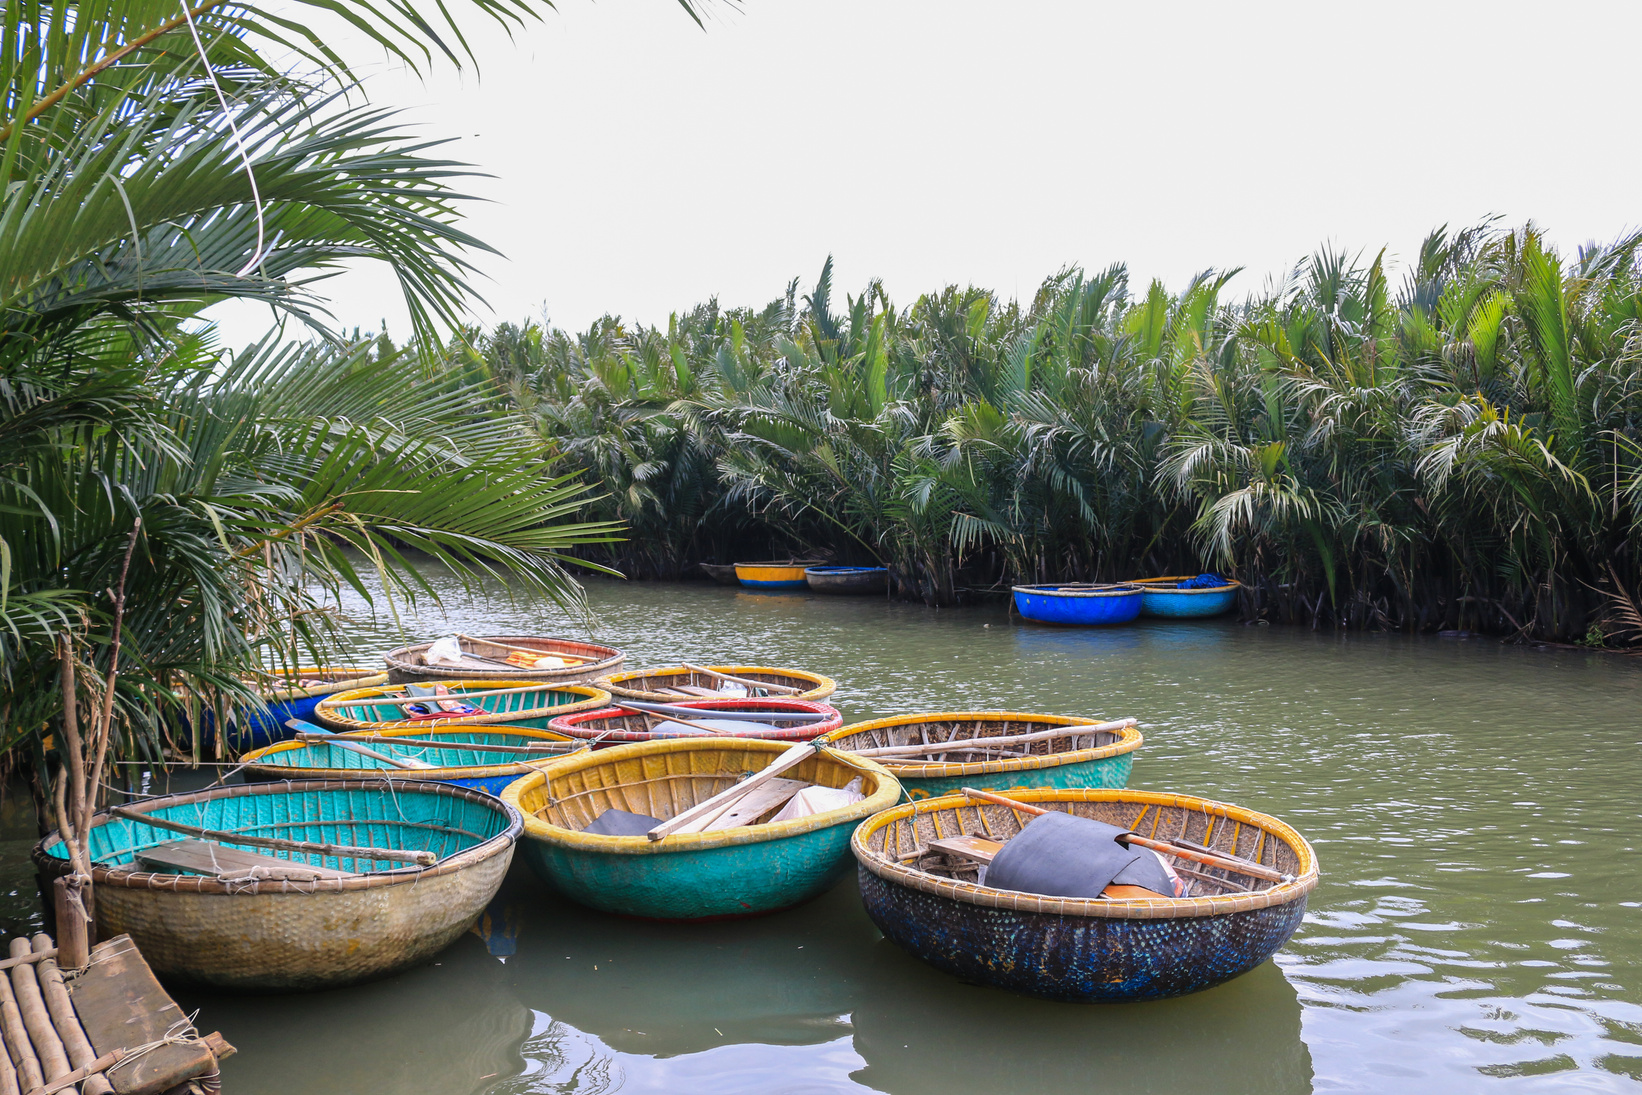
column 1102, row 759
column 734, row 872
column 847, row 579
column 647, row 684
column 280, row 936
column 351, row 711
column 614, row 726
column 1080, row 949
column 406, row 664
column 487, row 770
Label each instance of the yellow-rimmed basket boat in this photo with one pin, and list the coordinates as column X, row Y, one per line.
column 665, row 684
column 248, row 928
column 486, row 656
column 1084, row 949
column 1100, row 758
column 743, row 871
column 525, row 704
column 489, row 768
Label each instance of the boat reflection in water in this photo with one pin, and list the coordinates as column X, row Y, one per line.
column 448, row 1028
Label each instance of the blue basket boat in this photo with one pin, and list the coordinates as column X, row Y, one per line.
column 1174, row 598
column 1078, row 605
column 1085, row 950
column 385, row 875
column 486, row 758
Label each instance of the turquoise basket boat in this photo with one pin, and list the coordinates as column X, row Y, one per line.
column 1164, row 597
column 1078, row 605
column 504, row 754
column 743, row 871
column 251, row 919
column 1093, row 754
column 499, row 703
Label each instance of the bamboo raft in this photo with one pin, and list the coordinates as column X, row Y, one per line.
column 670, row 683
column 1246, row 879
column 106, row 1029
column 935, row 754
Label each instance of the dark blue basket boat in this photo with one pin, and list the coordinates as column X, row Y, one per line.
column 1079, row 605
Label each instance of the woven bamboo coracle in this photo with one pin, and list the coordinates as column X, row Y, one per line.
column 979, row 761
column 280, row 935
column 406, row 664
column 319, row 760
column 1085, row 949
column 346, row 712
column 615, row 725
column 647, row 684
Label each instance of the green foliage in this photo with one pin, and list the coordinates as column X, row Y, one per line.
column 1458, row 452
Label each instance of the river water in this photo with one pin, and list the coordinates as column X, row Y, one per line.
column 1474, row 807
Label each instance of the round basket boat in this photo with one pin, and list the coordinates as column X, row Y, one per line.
column 504, row 754
column 664, row 685
column 616, row 726
column 733, row 872
column 832, row 579
column 722, row 573
column 1097, row 758
column 481, row 656
column 1085, row 950
column 246, row 928
column 352, row 712
column 1164, row 597
column 774, row 574
column 1078, row 605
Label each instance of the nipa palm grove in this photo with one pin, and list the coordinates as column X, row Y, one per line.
column 1452, row 446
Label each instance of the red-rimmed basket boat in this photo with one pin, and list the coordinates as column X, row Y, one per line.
column 616, row 726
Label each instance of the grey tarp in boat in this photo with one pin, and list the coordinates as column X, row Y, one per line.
column 1058, row 855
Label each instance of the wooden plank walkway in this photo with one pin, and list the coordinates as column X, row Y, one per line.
column 109, row 1029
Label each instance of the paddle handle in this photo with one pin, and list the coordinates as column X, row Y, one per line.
column 671, row 718
column 1224, row 862
column 309, row 730
column 400, row 701
column 783, row 688
column 419, row 743
column 570, row 660
column 337, row 851
column 733, row 713
column 713, row 806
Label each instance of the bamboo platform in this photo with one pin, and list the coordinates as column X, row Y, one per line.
column 109, row 1029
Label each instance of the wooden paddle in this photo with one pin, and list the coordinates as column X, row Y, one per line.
column 1222, row 860
column 338, row 851
column 712, row 807
column 917, row 749
column 308, row 730
column 736, row 715
column 782, row 688
column 400, row 701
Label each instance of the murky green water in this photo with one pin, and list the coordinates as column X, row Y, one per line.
column 1475, row 808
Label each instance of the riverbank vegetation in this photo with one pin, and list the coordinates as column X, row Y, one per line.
column 1449, row 446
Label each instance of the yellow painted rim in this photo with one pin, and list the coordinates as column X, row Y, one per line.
column 596, row 698
column 886, row 793
column 1233, row 584
column 819, row 687
column 422, row 730
column 1129, row 740
column 1305, row 879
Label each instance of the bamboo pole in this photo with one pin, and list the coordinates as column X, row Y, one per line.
column 18, row 1045
column 337, row 851
column 785, row 689
column 94, row 1070
column 1214, row 859
column 37, row 956
column 8, row 1072
column 64, row 1018
column 36, row 1019
column 732, row 714
column 321, row 734
column 711, row 807
column 535, row 747
column 979, row 743
column 671, row 718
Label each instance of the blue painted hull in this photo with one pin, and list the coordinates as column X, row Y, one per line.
column 1177, row 605
column 800, row 584
column 1048, row 607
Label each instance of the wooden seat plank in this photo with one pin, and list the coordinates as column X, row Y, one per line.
column 700, row 692
column 217, row 860
column 122, row 1006
column 977, row 848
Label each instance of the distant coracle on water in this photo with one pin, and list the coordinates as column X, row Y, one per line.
column 1452, row 441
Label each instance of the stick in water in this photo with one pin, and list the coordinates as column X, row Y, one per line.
column 1216, row 859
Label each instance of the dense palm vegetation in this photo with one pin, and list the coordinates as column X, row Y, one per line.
column 1454, row 446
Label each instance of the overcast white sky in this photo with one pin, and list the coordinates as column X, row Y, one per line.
column 642, row 164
